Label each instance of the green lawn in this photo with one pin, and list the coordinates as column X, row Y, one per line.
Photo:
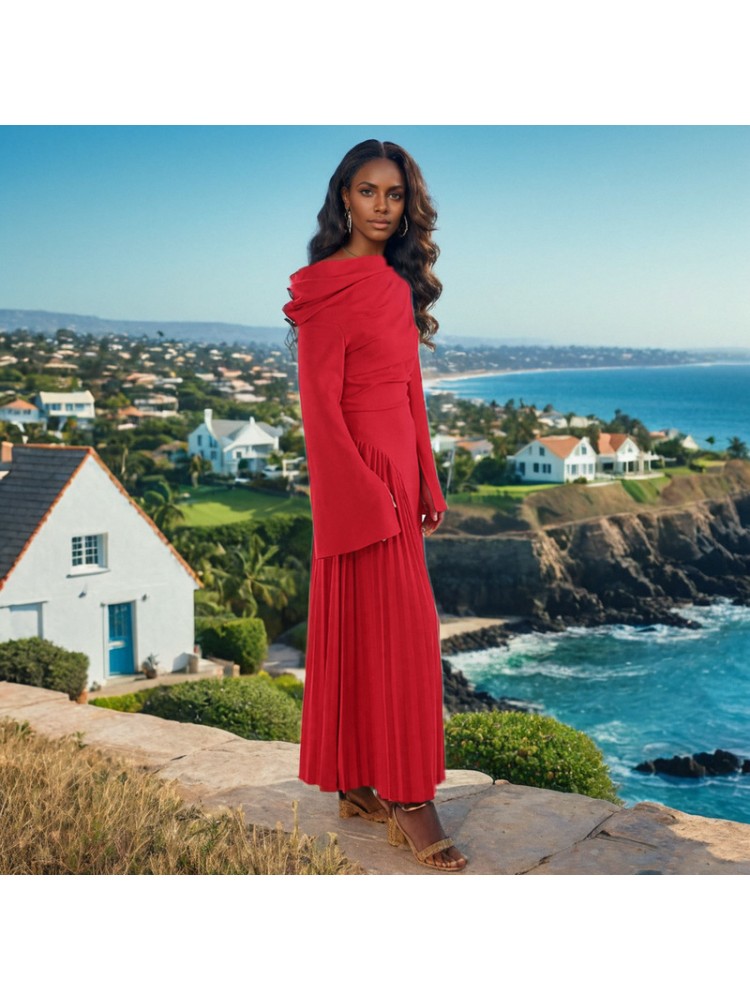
column 499, row 496
column 208, row 506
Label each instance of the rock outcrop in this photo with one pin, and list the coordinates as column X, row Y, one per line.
column 698, row 765
column 628, row 568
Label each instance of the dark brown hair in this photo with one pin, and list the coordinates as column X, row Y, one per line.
column 412, row 256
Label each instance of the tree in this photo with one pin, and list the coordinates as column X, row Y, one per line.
column 198, row 467
column 737, row 448
column 253, row 577
column 160, row 504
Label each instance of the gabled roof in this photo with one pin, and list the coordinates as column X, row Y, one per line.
column 609, row 444
column 34, row 481
column 19, row 404
column 560, row 444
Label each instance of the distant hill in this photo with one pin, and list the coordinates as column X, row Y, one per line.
column 38, row 321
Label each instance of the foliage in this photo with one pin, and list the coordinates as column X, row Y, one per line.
column 737, row 448
column 41, row 663
column 241, row 640
column 250, row 707
column 528, row 749
column 132, row 702
column 70, row 810
column 287, row 683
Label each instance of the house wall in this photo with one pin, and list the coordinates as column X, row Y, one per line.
column 550, row 468
column 69, row 606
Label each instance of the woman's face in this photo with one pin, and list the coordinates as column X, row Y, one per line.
column 376, row 198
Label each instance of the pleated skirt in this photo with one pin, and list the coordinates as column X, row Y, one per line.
column 373, row 705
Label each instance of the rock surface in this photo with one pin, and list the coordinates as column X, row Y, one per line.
column 628, row 568
column 697, row 765
column 503, row 828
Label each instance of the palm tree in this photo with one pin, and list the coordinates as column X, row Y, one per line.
column 737, row 448
column 252, row 577
column 160, row 505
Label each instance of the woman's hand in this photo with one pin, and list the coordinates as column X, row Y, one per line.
column 434, row 518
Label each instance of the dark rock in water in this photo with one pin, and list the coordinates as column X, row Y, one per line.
column 698, row 765
column 460, row 696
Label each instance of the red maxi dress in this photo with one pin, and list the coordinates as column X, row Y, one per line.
column 373, row 705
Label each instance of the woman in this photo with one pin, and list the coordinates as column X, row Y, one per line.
column 372, row 717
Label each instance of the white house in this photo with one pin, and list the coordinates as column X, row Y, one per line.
column 20, row 412
column 83, row 566
column 225, row 443
column 556, row 459
column 619, row 454
column 66, row 404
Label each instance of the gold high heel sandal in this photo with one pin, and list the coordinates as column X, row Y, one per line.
column 398, row 836
column 349, row 807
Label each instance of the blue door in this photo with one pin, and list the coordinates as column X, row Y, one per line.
column 121, row 659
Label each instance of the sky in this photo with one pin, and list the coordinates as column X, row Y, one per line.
column 618, row 235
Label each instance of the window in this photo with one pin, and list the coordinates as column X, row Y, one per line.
column 522, row 468
column 200, row 440
column 546, row 468
column 584, row 450
column 574, row 470
column 542, row 450
column 88, row 550
column 536, row 466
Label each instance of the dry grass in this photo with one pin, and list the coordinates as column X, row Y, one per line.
column 68, row 809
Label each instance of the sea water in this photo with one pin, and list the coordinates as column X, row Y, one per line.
column 702, row 400
column 641, row 693
column 649, row 692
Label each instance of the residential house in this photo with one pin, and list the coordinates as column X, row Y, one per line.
column 619, row 454
column 558, row 458
column 83, row 566
column 64, row 405
column 226, row 443
column 20, row 412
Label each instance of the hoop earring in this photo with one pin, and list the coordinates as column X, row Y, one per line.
column 405, row 227
column 348, row 217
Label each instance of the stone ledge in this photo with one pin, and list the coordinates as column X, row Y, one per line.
column 503, row 828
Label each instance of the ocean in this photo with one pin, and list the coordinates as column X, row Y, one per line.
column 640, row 693
column 701, row 400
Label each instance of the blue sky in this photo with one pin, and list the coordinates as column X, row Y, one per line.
column 568, row 234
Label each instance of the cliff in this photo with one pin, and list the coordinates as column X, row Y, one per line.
column 691, row 545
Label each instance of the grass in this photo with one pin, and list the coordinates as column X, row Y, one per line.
column 69, row 809
column 504, row 497
column 209, row 506
column 645, row 490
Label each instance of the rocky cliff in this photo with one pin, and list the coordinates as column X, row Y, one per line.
column 631, row 567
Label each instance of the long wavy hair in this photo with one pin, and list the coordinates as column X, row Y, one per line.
column 412, row 256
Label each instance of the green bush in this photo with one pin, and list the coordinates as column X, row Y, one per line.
column 528, row 749
column 289, row 684
column 43, row 664
column 250, row 707
column 241, row 640
column 133, row 702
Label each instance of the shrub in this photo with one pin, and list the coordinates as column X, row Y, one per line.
column 241, row 640
column 250, row 707
column 287, row 683
column 43, row 664
column 528, row 750
column 133, row 702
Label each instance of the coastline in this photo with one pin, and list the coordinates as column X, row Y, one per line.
column 431, row 382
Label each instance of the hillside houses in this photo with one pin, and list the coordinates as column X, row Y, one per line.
column 563, row 458
column 63, row 405
column 227, row 443
column 83, row 566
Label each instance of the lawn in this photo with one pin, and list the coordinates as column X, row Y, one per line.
column 209, row 506
column 503, row 497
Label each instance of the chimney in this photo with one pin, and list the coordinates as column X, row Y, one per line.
column 6, row 452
